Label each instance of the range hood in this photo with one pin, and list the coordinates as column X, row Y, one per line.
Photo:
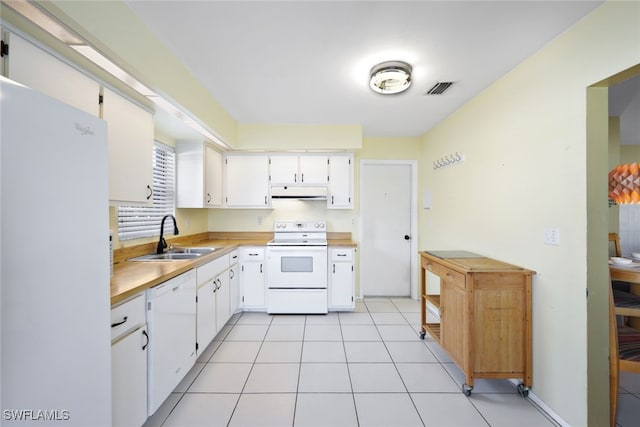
column 298, row 192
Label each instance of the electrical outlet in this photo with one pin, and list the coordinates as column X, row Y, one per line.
column 552, row 236
column 259, row 220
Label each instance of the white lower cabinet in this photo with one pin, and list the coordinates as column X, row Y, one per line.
column 341, row 279
column 223, row 310
column 213, row 303
column 252, row 279
column 206, row 315
column 129, row 343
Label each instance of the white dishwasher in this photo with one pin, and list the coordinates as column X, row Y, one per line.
column 171, row 319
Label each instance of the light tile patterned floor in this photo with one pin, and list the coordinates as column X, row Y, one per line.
column 366, row 368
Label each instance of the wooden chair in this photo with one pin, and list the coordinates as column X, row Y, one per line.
column 624, row 354
column 613, row 237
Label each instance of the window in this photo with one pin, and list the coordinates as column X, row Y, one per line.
column 144, row 221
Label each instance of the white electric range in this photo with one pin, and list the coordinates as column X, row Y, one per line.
column 297, row 268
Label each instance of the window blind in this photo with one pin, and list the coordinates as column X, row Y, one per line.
column 144, row 221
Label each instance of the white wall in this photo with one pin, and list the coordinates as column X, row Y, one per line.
column 526, row 154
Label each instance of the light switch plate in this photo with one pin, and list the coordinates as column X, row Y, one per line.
column 552, row 236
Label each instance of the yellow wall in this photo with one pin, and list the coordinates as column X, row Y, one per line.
column 299, row 137
column 630, row 153
column 526, row 154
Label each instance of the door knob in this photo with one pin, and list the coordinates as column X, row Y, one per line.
column 406, row 237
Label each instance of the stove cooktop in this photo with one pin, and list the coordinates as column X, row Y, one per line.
column 298, row 242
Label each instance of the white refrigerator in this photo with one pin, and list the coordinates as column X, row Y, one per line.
column 54, row 248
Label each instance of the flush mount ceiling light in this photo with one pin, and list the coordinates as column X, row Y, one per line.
column 390, row 77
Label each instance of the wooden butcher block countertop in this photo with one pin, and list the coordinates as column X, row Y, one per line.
column 132, row 277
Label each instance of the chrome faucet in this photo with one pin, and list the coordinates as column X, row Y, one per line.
column 163, row 243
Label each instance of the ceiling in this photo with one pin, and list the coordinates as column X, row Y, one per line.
column 624, row 102
column 308, row 62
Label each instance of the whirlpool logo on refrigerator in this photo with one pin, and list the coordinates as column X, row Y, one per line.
column 84, row 130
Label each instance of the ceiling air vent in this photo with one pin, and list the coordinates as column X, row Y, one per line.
column 439, row 88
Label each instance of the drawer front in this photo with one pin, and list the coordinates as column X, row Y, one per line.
column 453, row 277
column 431, row 266
column 234, row 257
column 252, row 254
column 212, row 269
column 127, row 316
column 341, row 254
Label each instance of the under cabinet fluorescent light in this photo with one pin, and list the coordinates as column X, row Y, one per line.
column 44, row 21
column 186, row 118
column 101, row 61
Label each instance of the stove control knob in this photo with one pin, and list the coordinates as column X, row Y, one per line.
column 317, row 225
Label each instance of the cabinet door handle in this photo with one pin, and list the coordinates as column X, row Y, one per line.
column 232, row 274
column 219, row 284
column 332, row 200
column 334, row 268
column 302, row 178
column 260, row 268
column 208, row 197
column 150, row 192
column 341, row 254
column 295, row 177
column 265, row 200
column 113, row 325
column 144, row 347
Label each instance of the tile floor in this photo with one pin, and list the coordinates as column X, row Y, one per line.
column 366, row 368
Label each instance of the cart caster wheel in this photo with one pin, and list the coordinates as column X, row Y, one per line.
column 422, row 334
column 523, row 390
column 466, row 390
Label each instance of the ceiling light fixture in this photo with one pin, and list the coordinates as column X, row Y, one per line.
column 390, row 77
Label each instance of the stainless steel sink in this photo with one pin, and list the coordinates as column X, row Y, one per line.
column 200, row 251
column 168, row 256
column 176, row 254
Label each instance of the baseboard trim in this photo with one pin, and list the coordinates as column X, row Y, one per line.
column 550, row 413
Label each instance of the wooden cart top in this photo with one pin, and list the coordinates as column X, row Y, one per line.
column 464, row 262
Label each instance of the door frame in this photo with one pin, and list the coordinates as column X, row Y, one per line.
column 413, row 260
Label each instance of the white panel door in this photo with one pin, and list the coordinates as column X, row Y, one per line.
column 386, row 229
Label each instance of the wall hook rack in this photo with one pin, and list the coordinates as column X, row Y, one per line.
column 448, row 160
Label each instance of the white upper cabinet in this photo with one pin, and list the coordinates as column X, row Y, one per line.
column 130, row 150
column 340, row 194
column 247, row 180
column 39, row 70
column 213, row 178
column 199, row 175
column 299, row 170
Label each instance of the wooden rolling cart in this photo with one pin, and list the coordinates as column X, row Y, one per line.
column 485, row 315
